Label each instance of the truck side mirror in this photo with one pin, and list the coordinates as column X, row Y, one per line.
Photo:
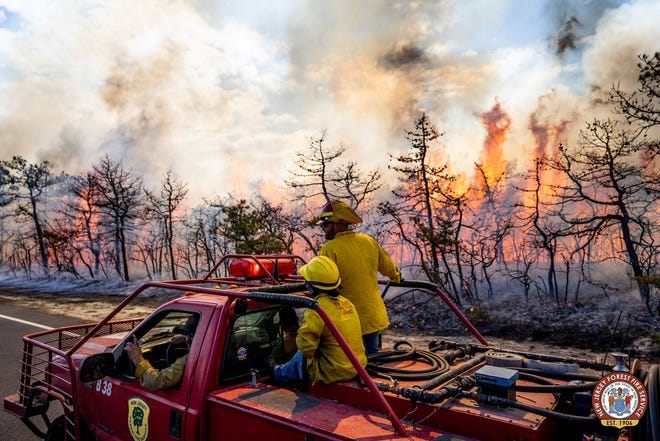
column 96, row 367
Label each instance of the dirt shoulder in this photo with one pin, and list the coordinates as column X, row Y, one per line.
column 88, row 308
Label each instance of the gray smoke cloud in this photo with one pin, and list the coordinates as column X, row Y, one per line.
column 225, row 93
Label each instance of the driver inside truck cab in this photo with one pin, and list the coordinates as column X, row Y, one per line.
column 156, row 379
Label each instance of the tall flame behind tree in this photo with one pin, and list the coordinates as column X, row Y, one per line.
column 79, row 209
column 458, row 227
column 489, row 217
column 497, row 124
column 540, row 229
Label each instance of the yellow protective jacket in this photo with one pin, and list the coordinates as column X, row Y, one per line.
column 155, row 380
column 326, row 361
column 359, row 259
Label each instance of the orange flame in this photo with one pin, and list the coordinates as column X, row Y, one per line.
column 497, row 124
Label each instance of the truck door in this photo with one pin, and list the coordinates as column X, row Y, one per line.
column 127, row 410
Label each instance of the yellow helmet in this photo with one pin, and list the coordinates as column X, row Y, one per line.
column 322, row 273
column 339, row 211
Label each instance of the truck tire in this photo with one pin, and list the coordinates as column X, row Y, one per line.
column 55, row 430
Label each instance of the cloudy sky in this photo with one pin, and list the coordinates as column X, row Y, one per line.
column 226, row 92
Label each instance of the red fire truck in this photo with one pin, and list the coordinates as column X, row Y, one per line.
column 77, row 382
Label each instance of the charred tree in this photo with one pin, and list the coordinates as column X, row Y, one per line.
column 320, row 174
column 323, row 175
column 641, row 107
column 202, row 246
column 25, row 184
column 426, row 213
column 120, row 203
column 605, row 193
column 539, row 225
column 82, row 211
column 161, row 207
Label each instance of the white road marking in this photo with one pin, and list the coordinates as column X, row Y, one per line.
column 25, row 322
column 37, row 325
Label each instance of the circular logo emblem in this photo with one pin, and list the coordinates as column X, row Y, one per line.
column 619, row 399
column 241, row 354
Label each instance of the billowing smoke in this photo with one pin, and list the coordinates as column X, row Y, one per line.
column 566, row 40
column 226, row 93
column 404, row 54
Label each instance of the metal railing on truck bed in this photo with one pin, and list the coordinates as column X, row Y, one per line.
column 45, row 369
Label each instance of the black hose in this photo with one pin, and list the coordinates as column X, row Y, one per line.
column 376, row 363
column 559, row 375
column 498, row 401
column 556, row 388
column 539, row 379
column 549, row 386
column 435, row 397
column 530, row 355
column 450, row 356
column 441, row 379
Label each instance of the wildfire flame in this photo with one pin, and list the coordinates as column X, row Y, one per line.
column 497, row 124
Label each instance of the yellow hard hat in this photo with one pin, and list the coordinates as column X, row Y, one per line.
column 338, row 211
column 321, row 272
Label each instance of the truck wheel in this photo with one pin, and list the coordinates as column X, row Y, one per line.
column 56, row 430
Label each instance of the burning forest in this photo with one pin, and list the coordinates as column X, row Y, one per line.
column 581, row 216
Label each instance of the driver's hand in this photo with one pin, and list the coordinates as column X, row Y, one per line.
column 133, row 350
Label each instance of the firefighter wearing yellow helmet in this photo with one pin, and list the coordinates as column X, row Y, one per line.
column 318, row 350
column 359, row 258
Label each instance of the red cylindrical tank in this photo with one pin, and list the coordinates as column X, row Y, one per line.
column 250, row 268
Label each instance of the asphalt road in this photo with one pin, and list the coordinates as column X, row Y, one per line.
column 11, row 343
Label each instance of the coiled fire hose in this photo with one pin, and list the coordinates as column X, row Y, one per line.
column 376, row 363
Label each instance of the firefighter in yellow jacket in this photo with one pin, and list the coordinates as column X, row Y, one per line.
column 359, row 258
column 318, row 350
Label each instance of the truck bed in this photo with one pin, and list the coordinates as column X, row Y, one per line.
column 345, row 411
column 246, row 412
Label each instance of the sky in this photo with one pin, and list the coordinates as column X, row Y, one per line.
column 225, row 93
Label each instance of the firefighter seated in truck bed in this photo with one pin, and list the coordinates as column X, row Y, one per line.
column 318, row 350
column 160, row 379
